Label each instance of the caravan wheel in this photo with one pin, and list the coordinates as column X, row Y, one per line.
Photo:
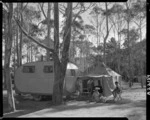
column 37, row 97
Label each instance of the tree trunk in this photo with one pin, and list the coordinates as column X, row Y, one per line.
column 60, row 67
column 129, row 65
column 27, row 53
column 49, row 29
column 15, row 53
column 140, row 29
column 97, row 40
column 58, row 79
column 20, row 56
column 57, row 89
column 8, row 45
column 106, row 35
column 17, row 46
column 119, row 39
column 31, row 52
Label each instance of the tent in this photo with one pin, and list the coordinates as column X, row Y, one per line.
column 115, row 76
column 102, row 76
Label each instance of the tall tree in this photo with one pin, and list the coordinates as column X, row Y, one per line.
column 17, row 38
column 107, row 33
column 103, row 30
column 49, row 22
column 118, row 22
column 20, row 46
column 8, row 46
column 129, row 16
column 139, row 8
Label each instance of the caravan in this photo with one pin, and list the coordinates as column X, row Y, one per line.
column 37, row 78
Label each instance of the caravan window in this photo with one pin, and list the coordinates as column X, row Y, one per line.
column 48, row 69
column 28, row 69
column 73, row 72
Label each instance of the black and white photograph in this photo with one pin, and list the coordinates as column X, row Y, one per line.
column 74, row 59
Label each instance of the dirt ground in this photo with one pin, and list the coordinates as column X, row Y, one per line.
column 133, row 106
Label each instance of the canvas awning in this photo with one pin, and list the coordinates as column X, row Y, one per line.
column 92, row 76
column 97, row 76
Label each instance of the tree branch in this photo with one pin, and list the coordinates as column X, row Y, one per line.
column 62, row 11
column 76, row 6
column 143, row 26
column 81, row 11
column 41, row 6
column 136, row 23
column 24, row 7
column 110, row 28
column 89, row 6
column 31, row 38
column 62, row 6
column 6, row 6
column 113, row 22
column 92, row 23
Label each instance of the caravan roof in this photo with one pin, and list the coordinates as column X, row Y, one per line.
column 71, row 66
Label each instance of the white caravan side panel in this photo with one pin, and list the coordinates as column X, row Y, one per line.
column 37, row 82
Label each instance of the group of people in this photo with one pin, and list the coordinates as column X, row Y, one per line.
column 96, row 92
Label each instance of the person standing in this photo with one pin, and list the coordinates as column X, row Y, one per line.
column 117, row 91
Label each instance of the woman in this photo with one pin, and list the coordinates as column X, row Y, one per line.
column 98, row 97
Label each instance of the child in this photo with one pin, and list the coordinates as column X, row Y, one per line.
column 117, row 91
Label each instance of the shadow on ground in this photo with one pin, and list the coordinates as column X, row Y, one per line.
column 24, row 106
column 85, row 105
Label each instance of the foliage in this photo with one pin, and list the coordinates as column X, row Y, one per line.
column 138, row 59
column 133, row 37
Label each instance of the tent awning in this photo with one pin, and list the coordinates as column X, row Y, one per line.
column 96, row 76
column 92, row 76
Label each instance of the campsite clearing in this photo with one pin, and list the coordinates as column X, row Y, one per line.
column 132, row 106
